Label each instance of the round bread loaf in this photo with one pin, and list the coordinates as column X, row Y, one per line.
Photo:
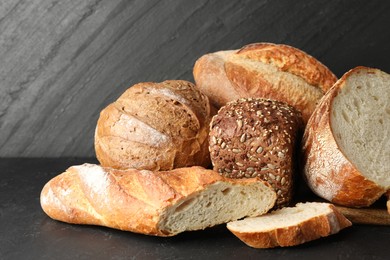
column 155, row 126
column 256, row 138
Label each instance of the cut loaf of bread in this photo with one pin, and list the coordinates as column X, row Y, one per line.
column 153, row 203
column 290, row 226
column 346, row 144
column 264, row 70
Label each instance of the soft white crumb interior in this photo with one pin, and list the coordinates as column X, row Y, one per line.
column 219, row 203
column 285, row 217
column 361, row 124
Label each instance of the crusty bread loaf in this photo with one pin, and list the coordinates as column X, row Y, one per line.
column 153, row 203
column 388, row 201
column 257, row 138
column 264, row 70
column 155, row 126
column 290, row 226
column 346, row 144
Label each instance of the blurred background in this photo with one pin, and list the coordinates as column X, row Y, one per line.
column 61, row 62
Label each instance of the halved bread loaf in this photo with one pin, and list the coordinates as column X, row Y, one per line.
column 153, row 203
column 346, row 144
column 290, row 226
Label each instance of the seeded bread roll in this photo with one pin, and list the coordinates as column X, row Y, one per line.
column 256, row 138
column 155, row 126
column 264, row 70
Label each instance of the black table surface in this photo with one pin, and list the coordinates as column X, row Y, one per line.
column 27, row 233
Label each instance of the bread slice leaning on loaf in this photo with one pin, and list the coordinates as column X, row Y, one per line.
column 346, row 144
column 264, row 70
column 152, row 203
column 290, row 226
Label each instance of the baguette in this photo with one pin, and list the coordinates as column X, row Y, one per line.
column 264, row 70
column 346, row 144
column 290, row 226
column 152, row 203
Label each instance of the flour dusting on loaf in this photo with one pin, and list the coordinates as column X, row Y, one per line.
column 155, row 126
column 346, row 144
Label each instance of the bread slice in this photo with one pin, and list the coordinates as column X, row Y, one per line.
column 290, row 226
column 157, row 203
column 346, row 144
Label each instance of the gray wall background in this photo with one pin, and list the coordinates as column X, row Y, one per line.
column 61, row 62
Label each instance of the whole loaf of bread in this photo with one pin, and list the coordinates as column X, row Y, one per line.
column 155, row 126
column 264, row 70
column 254, row 137
column 161, row 203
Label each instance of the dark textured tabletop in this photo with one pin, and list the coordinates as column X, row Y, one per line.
column 27, row 233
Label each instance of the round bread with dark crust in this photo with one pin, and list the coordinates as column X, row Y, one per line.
column 256, row 138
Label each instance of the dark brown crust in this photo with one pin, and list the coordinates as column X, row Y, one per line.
column 257, row 138
column 309, row 230
column 129, row 200
column 328, row 172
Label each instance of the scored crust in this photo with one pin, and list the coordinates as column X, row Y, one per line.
column 264, row 70
column 155, row 126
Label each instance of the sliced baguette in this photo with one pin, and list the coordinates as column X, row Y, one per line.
column 161, row 203
column 290, row 226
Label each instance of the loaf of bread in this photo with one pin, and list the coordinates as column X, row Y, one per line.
column 346, row 144
column 253, row 137
column 155, row 126
column 161, row 203
column 264, row 70
column 290, row 226
column 388, row 201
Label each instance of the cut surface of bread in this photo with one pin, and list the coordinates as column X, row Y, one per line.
column 290, row 226
column 346, row 143
column 360, row 123
column 156, row 203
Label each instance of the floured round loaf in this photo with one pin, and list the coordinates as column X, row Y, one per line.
column 264, row 70
column 346, row 144
column 155, row 126
column 256, row 138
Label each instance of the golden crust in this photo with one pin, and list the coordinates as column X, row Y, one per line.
column 305, row 231
column 292, row 60
column 264, row 70
column 327, row 171
column 130, row 200
column 155, row 126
